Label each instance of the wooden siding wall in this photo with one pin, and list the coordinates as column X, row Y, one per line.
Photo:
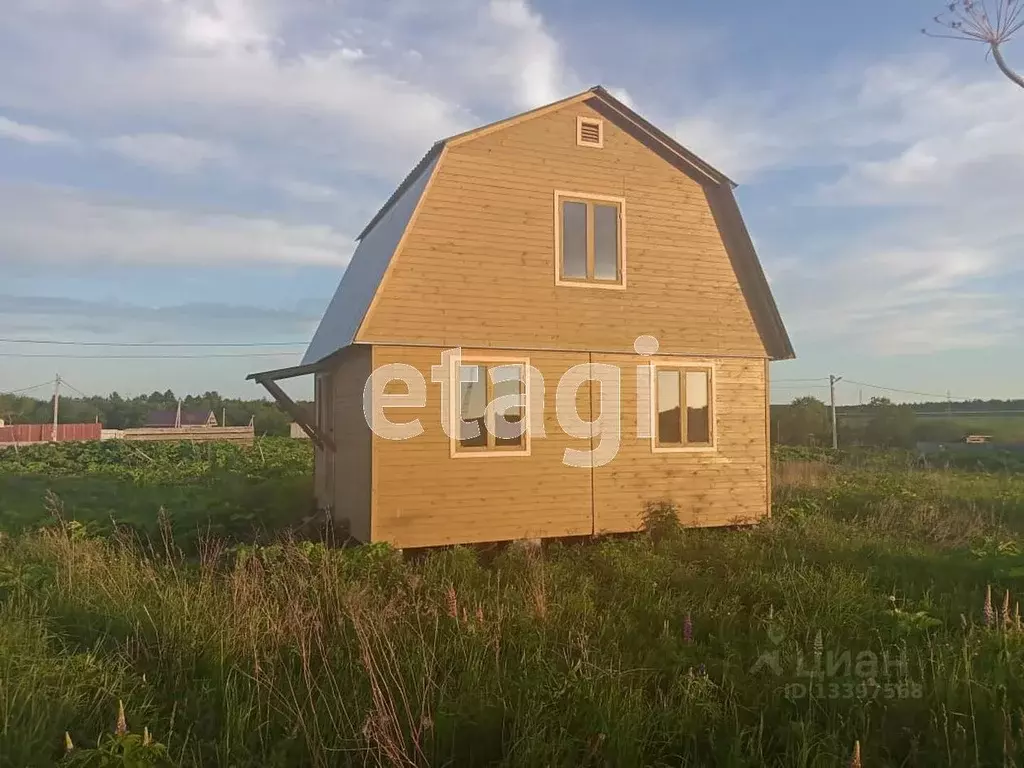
column 726, row 486
column 424, row 497
column 352, row 438
column 477, row 267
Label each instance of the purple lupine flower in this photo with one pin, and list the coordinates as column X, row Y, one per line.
column 687, row 629
column 987, row 611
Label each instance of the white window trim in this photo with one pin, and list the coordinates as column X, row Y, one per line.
column 580, row 120
column 455, row 407
column 692, row 363
column 621, row 201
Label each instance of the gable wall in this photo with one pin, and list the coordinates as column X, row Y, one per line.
column 477, row 267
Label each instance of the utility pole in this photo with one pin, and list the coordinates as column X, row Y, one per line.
column 832, row 379
column 56, row 407
column 223, row 417
column 177, row 416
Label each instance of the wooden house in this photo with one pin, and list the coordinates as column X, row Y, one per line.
column 179, row 418
column 554, row 320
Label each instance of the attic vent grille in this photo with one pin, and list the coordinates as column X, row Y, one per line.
column 589, row 132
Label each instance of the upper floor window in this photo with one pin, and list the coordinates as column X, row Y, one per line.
column 590, row 240
column 491, row 410
column 683, row 402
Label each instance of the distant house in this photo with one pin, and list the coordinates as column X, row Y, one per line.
column 180, row 418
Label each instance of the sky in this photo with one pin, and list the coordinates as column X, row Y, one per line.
column 181, row 171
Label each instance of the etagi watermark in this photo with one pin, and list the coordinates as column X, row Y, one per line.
column 830, row 673
column 504, row 413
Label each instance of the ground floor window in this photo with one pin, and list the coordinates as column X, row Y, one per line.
column 491, row 408
column 683, row 406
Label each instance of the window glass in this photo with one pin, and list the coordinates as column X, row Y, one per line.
column 606, row 242
column 574, row 239
column 670, row 428
column 506, row 395
column 698, row 411
column 473, row 408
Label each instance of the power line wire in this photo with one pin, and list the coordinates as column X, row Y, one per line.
column 820, row 378
column 903, row 391
column 155, row 343
column 26, row 389
column 145, row 357
column 72, row 388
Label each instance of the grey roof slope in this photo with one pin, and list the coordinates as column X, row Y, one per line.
column 365, row 271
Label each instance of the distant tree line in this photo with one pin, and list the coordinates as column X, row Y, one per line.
column 883, row 423
column 116, row 412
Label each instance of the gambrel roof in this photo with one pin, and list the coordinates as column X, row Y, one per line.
column 383, row 235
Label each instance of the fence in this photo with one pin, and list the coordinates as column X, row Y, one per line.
column 41, row 433
column 195, row 434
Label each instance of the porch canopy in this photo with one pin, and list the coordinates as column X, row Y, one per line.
column 301, row 415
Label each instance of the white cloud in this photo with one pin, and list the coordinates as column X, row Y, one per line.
column 169, row 152
column 304, row 190
column 913, row 166
column 341, row 90
column 534, row 64
column 729, row 143
column 31, row 134
column 900, row 301
column 917, row 157
column 44, row 225
column 223, row 25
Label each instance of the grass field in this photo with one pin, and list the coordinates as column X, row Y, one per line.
column 856, row 614
column 203, row 489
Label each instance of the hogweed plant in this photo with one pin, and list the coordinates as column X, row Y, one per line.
column 993, row 23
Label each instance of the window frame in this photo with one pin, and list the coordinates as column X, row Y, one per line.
column 589, row 199
column 683, row 366
column 457, row 451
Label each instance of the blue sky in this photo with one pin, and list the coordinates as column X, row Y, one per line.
column 196, row 170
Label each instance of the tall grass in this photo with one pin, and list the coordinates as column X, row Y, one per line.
column 689, row 647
